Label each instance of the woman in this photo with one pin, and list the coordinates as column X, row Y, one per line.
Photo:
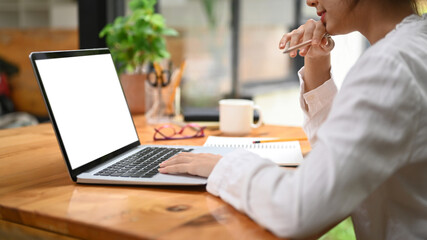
column 369, row 155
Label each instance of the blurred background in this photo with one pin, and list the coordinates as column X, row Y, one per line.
column 230, row 46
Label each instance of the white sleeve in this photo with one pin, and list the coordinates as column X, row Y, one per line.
column 365, row 139
column 316, row 105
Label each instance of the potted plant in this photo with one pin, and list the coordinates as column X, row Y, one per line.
column 135, row 41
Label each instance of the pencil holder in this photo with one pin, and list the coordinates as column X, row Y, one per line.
column 157, row 109
column 162, row 104
column 163, row 95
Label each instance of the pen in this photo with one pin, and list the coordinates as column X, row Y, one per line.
column 287, row 50
column 177, row 82
column 303, row 44
column 158, row 69
column 280, row 140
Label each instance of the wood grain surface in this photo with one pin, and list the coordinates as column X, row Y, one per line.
column 36, row 192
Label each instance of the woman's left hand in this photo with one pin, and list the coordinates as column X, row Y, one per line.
column 200, row 164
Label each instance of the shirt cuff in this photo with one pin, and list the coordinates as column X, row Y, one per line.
column 315, row 100
column 231, row 173
column 222, row 169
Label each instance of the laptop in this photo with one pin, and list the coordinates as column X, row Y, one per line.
column 93, row 124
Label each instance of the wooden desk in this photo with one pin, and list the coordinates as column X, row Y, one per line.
column 38, row 198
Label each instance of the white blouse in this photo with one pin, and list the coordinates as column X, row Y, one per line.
column 369, row 151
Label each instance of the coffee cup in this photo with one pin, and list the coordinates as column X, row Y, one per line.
column 236, row 116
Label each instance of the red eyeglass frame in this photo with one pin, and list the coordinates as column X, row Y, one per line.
column 199, row 133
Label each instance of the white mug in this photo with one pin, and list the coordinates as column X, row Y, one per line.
column 236, row 116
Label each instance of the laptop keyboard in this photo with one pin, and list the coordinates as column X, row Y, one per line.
column 143, row 164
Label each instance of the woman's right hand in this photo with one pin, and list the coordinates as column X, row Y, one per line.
column 317, row 57
column 312, row 30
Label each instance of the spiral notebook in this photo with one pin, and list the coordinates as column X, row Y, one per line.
column 282, row 153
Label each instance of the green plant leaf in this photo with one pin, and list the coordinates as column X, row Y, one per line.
column 105, row 30
column 142, row 4
column 169, row 32
column 157, row 20
column 138, row 38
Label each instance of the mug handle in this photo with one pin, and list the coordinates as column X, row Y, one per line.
column 260, row 120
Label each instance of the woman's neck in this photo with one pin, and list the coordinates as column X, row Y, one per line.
column 378, row 21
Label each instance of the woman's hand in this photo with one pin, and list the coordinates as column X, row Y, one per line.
column 311, row 30
column 317, row 59
column 200, row 164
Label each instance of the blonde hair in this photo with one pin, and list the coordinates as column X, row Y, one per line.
column 421, row 6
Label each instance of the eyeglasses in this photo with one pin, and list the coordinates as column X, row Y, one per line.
column 168, row 132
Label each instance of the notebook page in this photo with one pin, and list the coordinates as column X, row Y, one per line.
column 282, row 153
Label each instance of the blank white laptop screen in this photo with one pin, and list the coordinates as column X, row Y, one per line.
column 88, row 104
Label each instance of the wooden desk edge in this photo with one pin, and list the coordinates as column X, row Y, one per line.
column 15, row 219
